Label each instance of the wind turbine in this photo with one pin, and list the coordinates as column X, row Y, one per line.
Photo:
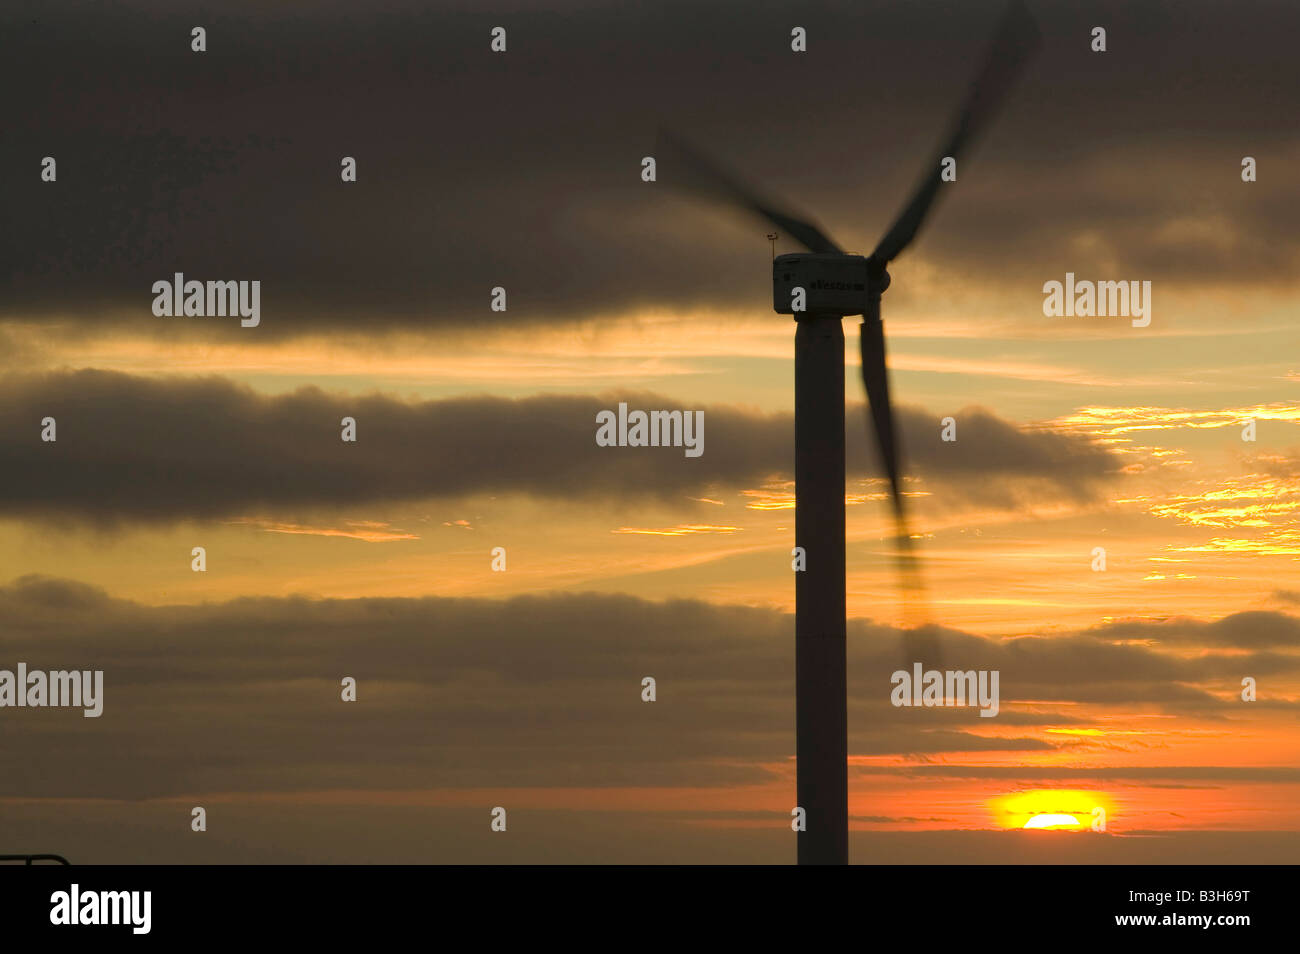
column 819, row 288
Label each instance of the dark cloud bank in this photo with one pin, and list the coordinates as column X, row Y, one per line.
column 535, row 690
column 522, row 169
column 162, row 449
column 224, row 704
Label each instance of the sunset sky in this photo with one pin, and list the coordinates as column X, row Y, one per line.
column 1120, row 690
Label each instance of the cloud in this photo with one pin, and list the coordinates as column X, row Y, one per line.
column 371, row 531
column 522, row 169
column 1250, row 630
column 167, row 449
column 1117, row 421
column 1206, row 774
column 243, row 695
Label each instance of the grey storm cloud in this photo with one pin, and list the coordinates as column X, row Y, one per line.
column 522, row 169
column 243, row 695
column 173, row 448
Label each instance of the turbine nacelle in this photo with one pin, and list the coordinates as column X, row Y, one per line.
column 833, row 283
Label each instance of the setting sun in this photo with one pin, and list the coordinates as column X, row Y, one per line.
column 1052, row 821
column 1053, row 808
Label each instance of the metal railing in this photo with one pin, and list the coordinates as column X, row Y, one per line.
column 31, row 859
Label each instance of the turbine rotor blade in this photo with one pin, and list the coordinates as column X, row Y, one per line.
column 1016, row 40
column 706, row 176
column 875, row 378
column 920, row 640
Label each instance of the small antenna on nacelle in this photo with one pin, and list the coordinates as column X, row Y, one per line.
column 772, row 237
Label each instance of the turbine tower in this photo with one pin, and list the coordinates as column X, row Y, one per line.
column 819, row 288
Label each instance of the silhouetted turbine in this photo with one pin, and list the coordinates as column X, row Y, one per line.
column 836, row 284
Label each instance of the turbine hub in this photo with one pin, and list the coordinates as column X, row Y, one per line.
column 877, row 275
